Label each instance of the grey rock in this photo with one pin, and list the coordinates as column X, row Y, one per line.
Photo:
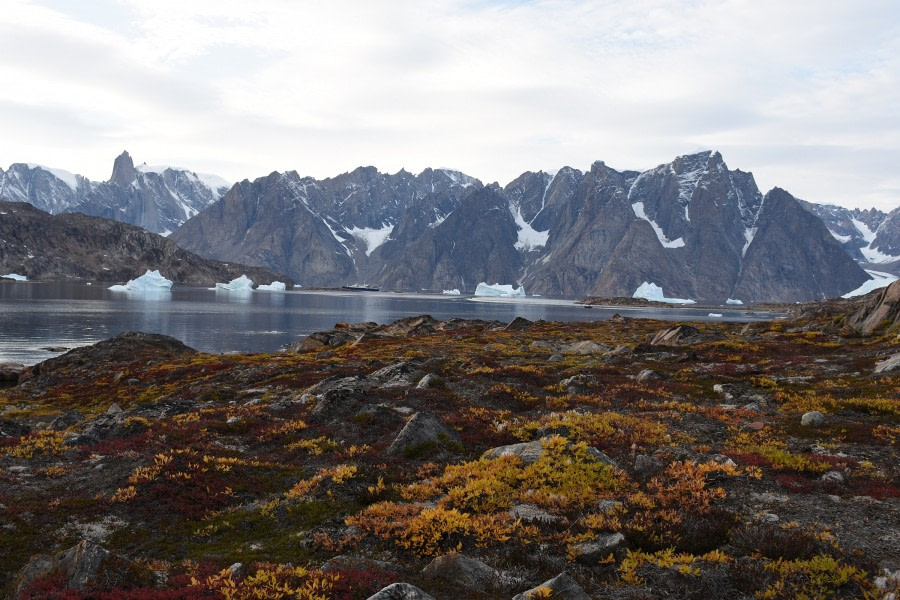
column 677, row 335
column 530, row 513
column 114, row 409
column 584, row 347
column 834, row 477
column 590, row 553
column 556, row 358
column 562, row 586
column 580, row 383
column 812, row 419
column 10, row 371
column 647, row 465
column 13, row 428
column 892, row 363
column 460, row 570
column 605, row 506
column 86, row 564
column 400, row 591
column 66, row 420
column 401, row 374
column 650, row 375
column 355, row 563
column 530, row 452
column 430, row 381
column 424, row 431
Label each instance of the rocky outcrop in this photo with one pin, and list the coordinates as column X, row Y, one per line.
column 85, row 565
column 74, row 246
column 880, row 311
column 401, row 591
column 425, row 433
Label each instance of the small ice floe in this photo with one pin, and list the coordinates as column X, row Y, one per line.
column 651, row 291
column 734, row 302
column 14, row 276
column 151, row 281
column 499, row 291
column 453, row 292
column 715, row 314
column 275, row 286
column 241, row 284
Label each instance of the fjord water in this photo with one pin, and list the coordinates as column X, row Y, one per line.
column 37, row 316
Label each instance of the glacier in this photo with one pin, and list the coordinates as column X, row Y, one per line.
column 149, row 282
column 241, row 284
column 499, row 291
column 651, row 291
column 878, row 281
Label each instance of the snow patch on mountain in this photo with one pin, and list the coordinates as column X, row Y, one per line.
column 372, row 238
column 529, row 238
column 872, row 255
column 651, row 291
column 687, row 183
column 638, row 208
column 70, row 179
column 878, row 281
column 841, row 238
column 749, row 234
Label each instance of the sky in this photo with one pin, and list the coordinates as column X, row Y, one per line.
column 804, row 94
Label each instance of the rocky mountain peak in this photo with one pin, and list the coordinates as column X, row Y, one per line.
column 123, row 170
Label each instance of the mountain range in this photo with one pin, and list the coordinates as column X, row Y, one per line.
column 692, row 226
column 159, row 199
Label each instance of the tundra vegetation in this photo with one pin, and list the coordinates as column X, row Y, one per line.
column 641, row 471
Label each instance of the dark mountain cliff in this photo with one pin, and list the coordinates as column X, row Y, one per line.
column 53, row 247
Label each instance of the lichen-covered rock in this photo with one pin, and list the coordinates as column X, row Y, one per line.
column 881, row 310
column 812, row 418
column 891, row 363
column 424, row 433
column 562, row 586
column 530, row 452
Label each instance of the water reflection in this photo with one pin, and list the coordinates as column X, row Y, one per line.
column 36, row 315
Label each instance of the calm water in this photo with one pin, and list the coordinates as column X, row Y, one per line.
column 34, row 316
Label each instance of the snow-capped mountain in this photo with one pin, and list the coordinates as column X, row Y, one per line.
column 692, row 226
column 871, row 236
column 158, row 199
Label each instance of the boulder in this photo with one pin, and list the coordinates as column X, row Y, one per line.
column 338, row 397
column 812, row 419
column 891, row 363
column 592, row 552
column 579, row 384
column 84, row 565
column 677, row 335
column 880, row 310
column 400, row 591
column 518, row 324
column 13, row 429
column 410, row 326
column 430, row 381
column 584, row 347
column 402, row 374
column 562, row 586
column 10, row 372
column 650, row 375
column 424, row 432
column 460, row 570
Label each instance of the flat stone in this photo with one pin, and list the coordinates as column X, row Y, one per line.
column 531, row 514
column 590, row 553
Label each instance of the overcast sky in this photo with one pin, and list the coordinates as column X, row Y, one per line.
column 805, row 94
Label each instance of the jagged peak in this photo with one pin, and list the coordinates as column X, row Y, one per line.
column 123, row 173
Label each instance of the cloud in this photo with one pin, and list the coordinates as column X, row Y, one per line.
column 802, row 93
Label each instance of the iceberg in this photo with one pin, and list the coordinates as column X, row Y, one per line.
column 651, row 291
column 878, row 281
column 241, row 284
column 14, row 276
column 715, row 314
column 275, row 286
column 499, row 291
column 151, row 281
column 453, row 292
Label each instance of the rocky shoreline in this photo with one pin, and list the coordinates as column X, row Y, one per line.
column 627, row 458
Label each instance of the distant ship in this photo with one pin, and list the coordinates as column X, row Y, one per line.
column 359, row 288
